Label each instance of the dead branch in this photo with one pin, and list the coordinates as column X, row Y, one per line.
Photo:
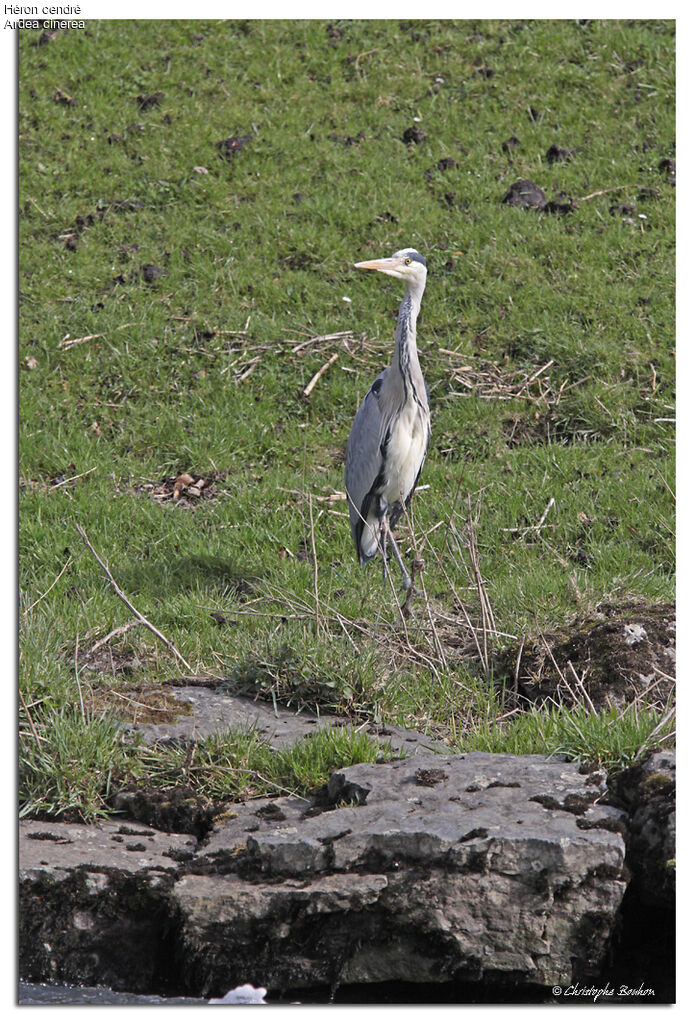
column 120, row 631
column 121, row 596
column 71, row 479
column 317, row 376
column 69, row 342
column 605, row 191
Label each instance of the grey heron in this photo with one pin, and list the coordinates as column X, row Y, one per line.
column 391, row 431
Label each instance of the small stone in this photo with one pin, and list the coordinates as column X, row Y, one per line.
column 634, row 634
column 414, row 135
column 511, row 143
column 151, row 273
column 525, row 193
column 556, row 154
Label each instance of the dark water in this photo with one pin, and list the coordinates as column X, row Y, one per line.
column 65, row 994
column 357, row 994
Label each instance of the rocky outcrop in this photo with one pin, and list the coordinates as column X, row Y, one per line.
column 207, row 709
column 93, row 902
column 647, row 791
column 430, row 869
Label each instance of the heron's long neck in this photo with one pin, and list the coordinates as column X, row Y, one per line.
column 405, row 357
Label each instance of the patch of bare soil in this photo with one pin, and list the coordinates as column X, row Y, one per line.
column 232, row 145
column 525, row 193
column 413, row 135
column 558, row 154
column 621, row 653
column 530, row 196
column 111, row 660
column 110, row 669
column 144, row 706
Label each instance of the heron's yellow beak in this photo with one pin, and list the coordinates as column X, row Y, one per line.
column 387, row 266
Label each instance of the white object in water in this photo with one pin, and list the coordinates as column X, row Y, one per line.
column 244, row 995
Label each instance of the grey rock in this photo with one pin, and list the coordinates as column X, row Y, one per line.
column 647, row 790
column 431, row 869
column 93, row 902
column 503, row 866
column 53, row 849
column 213, row 711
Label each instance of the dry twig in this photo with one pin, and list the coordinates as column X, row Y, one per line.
column 660, row 725
column 316, row 564
column 36, row 735
column 488, row 618
column 365, row 53
column 77, row 676
column 121, row 595
column 39, row 599
column 120, row 631
column 317, row 376
column 605, row 191
column 71, row 479
column 517, row 666
column 418, row 565
column 70, row 342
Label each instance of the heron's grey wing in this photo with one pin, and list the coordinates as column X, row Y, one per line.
column 364, row 463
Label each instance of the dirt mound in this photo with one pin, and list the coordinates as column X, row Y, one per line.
column 620, row 653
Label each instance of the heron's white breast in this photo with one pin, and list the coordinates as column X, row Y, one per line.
column 405, row 452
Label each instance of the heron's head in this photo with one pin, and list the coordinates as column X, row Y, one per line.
column 407, row 264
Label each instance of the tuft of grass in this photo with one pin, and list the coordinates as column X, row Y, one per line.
column 67, row 764
column 239, row 763
column 612, row 737
column 71, row 763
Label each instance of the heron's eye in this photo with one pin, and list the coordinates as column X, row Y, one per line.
column 408, row 260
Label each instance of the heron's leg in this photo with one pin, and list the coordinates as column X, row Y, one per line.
column 407, row 581
column 384, row 529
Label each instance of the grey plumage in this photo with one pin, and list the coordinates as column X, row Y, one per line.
column 391, row 431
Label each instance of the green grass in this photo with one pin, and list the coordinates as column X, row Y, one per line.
column 82, row 761
column 240, row 764
column 268, row 239
column 611, row 737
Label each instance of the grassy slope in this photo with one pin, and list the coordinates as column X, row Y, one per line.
column 271, row 234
